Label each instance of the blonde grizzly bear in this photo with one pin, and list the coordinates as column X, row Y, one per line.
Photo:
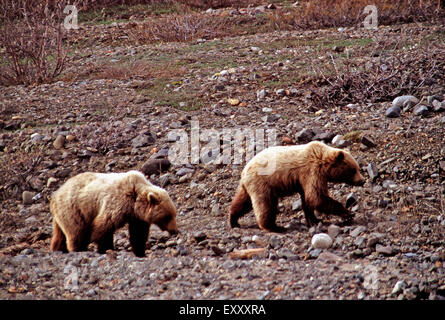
column 305, row 169
column 91, row 206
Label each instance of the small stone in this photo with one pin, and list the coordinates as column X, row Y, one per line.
column 199, row 236
column 372, row 170
column 216, row 210
column 351, row 199
column 70, row 138
column 51, row 182
column 360, row 242
column 404, row 101
column 305, row 135
column 421, row 110
column 27, row 197
column 357, row 231
column 164, row 180
column 271, row 118
column 372, row 241
column 367, row 141
column 297, row 205
column 267, row 110
column 142, row 141
column 219, row 87
column 393, row 112
column 59, row 142
column 328, row 257
column 275, row 242
column 261, row 94
column 321, row 241
column 336, row 138
column 324, row 136
column 281, row 92
column 399, row 287
column 333, row 231
column 233, row 102
column 385, row 250
column 184, row 171
column 438, row 106
column 315, row 253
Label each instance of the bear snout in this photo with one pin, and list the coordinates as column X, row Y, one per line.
column 359, row 181
column 172, row 228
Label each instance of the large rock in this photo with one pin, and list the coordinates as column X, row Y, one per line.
column 142, row 141
column 421, row 110
column 305, row 135
column 405, row 101
column 393, row 112
column 155, row 166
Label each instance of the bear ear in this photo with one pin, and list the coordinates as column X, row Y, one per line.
column 340, row 156
column 153, row 199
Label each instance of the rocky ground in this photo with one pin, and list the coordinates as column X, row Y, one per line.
column 113, row 111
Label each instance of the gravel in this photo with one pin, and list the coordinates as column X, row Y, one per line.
column 396, row 234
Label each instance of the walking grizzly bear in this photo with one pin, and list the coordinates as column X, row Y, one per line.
column 285, row 170
column 91, row 206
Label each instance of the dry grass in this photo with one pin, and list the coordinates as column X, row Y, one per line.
column 199, row 4
column 310, row 15
column 316, row 14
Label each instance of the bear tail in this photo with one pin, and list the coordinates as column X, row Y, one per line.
column 241, row 204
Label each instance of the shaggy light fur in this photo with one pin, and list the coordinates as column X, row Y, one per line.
column 305, row 169
column 91, row 206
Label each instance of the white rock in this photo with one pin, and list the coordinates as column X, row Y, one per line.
column 402, row 101
column 321, row 241
column 400, row 285
column 260, row 94
column 337, row 138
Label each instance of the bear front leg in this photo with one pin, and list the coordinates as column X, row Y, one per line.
column 308, row 209
column 79, row 241
column 106, row 242
column 265, row 209
column 331, row 206
column 138, row 236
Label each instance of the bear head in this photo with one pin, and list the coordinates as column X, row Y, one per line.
column 342, row 168
column 155, row 206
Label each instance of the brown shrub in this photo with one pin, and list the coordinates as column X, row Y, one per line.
column 316, row 14
column 32, row 38
column 379, row 79
column 199, row 4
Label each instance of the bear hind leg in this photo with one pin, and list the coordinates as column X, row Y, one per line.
column 241, row 204
column 79, row 242
column 58, row 242
column 266, row 210
column 138, row 236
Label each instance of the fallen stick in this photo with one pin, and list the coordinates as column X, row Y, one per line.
column 246, row 253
